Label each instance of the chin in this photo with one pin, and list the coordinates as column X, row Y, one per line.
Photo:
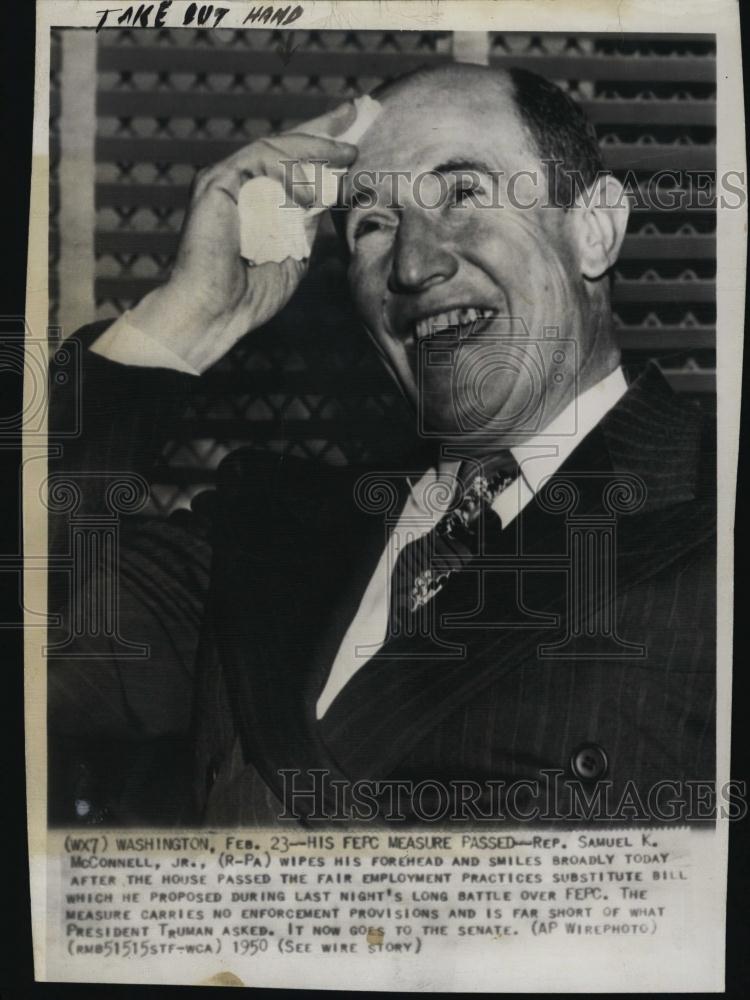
column 461, row 411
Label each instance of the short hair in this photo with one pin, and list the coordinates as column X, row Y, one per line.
column 563, row 137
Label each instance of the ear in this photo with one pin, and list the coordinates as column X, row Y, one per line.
column 600, row 218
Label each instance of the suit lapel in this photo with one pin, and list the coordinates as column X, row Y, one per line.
column 293, row 564
column 395, row 699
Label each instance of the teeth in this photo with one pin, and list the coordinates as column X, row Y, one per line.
column 451, row 318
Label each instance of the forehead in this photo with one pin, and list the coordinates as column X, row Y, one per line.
column 427, row 123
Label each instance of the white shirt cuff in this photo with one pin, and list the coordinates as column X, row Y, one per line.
column 127, row 344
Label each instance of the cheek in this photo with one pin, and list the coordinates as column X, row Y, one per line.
column 367, row 280
column 517, row 251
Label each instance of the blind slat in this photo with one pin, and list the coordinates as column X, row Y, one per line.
column 156, row 59
column 159, row 59
column 622, row 156
column 299, row 107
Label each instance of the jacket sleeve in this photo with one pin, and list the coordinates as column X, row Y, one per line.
column 128, row 591
column 106, row 419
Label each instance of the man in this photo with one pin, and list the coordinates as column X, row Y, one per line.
column 538, row 600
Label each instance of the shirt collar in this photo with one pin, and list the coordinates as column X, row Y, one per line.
column 544, row 453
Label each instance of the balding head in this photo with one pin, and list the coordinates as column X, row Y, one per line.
column 448, row 76
column 557, row 130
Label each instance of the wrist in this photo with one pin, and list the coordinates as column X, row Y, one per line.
column 171, row 317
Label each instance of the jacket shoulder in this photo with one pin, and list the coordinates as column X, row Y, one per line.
column 267, row 487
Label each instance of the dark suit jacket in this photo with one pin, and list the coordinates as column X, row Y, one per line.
column 244, row 602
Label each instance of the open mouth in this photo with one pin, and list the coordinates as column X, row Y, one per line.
column 465, row 321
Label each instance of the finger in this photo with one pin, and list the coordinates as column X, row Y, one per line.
column 277, row 157
column 295, row 146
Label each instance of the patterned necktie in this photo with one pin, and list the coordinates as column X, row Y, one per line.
column 423, row 566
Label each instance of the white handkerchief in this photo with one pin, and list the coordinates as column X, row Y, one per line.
column 270, row 232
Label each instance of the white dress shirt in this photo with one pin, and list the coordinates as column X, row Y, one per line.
column 538, row 458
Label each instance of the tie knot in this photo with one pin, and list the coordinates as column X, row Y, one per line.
column 481, row 478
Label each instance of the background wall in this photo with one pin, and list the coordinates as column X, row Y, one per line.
column 134, row 112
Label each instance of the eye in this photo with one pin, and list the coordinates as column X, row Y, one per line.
column 465, row 192
column 366, row 226
column 372, row 226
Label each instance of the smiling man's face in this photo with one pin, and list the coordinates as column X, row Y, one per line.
column 415, row 269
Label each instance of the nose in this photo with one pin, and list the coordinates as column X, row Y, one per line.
column 420, row 258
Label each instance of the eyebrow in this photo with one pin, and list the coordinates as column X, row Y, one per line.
column 453, row 166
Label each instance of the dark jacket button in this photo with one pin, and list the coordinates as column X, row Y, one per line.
column 589, row 762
